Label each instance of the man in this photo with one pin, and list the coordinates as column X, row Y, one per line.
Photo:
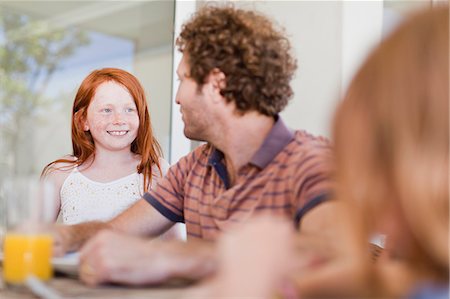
column 234, row 80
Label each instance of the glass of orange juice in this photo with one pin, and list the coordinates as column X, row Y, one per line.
column 27, row 244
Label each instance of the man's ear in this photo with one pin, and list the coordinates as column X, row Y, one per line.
column 218, row 79
column 216, row 82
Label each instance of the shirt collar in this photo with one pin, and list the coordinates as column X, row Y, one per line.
column 279, row 136
column 215, row 157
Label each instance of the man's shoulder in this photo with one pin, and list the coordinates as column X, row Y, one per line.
column 191, row 163
column 312, row 157
column 306, row 146
column 303, row 149
column 304, row 138
column 199, row 154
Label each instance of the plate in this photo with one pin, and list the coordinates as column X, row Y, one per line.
column 67, row 264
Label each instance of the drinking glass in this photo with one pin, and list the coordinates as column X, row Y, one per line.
column 27, row 244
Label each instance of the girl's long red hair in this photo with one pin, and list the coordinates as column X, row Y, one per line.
column 83, row 145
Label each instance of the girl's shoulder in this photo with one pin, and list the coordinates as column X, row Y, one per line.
column 65, row 164
column 60, row 170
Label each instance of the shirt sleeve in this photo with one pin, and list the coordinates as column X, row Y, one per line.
column 312, row 179
column 168, row 195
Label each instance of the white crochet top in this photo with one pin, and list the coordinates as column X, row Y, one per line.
column 83, row 199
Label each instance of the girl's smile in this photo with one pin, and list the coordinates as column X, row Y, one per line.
column 117, row 133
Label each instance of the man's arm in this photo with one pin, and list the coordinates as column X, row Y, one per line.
column 118, row 258
column 69, row 238
column 140, row 219
column 320, row 220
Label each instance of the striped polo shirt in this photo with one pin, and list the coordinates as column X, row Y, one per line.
column 288, row 175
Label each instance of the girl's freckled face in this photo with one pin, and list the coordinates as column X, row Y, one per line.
column 112, row 117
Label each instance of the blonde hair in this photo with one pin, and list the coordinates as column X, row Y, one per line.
column 392, row 137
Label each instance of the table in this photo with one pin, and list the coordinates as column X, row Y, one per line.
column 68, row 287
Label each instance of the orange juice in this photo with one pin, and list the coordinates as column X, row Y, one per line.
column 27, row 254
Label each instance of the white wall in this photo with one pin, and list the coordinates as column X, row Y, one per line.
column 153, row 70
column 362, row 26
column 179, row 145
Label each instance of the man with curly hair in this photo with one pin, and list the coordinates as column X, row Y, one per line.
column 234, row 81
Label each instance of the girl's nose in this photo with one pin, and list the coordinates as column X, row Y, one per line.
column 118, row 118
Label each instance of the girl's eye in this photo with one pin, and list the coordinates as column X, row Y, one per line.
column 107, row 110
column 130, row 110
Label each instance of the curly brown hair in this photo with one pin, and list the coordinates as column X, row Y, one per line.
column 254, row 55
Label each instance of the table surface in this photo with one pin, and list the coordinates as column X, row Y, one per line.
column 68, row 287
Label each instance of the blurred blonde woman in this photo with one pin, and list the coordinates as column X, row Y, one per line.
column 391, row 135
column 392, row 153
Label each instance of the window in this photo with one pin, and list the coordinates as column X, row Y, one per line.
column 48, row 48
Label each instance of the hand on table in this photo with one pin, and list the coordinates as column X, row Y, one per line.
column 61, row 238
column 118, row 258
column 69, row 238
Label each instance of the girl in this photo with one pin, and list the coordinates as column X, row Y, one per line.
column 115, row 156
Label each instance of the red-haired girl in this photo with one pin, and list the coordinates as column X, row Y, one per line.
column 116, row 157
